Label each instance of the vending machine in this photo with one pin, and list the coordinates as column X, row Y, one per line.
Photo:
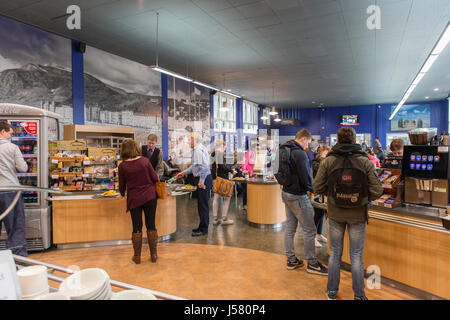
column 33, row 129
column 427, row 171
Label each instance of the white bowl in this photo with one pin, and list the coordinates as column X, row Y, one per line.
column 103, row 293
column 36, row 295
column 53, row 296
column 85, row 284
column 33, row 280
column 133, row 295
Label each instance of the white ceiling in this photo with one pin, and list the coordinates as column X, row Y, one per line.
column 308, row 50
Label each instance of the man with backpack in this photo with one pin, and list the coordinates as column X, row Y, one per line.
column 348, row 178
column 294, row 174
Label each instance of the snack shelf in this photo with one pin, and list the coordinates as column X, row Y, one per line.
column 66, row 159
column 30, row 155
column 32, row 174
column 57, row 175
column 392, row 196
column 68, row 188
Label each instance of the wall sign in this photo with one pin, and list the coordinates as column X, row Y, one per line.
column 411, row 117
column 102, row 152
column 71, row 145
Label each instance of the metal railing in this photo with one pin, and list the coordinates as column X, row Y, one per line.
column 18, row 190
column 114, row 283
column 25, row 260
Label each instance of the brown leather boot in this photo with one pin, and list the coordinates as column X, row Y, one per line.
column 152, row 237
column 136, row 238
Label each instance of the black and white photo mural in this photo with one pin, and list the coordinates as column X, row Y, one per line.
column 121, row 92
column 35, row 68
column 188, row 110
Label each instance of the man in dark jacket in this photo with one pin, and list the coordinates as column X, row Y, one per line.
column 154, row 154
column 339, row 217
column 298, row 205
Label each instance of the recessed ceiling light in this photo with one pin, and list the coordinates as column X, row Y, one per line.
column 436, row 89
column 313, row 102
column 427, row 97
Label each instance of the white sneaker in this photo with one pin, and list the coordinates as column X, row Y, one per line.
column 320, row 237
column 227, row 221
column 318, row 245
column 216, row 221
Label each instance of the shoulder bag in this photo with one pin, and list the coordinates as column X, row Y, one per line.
column 223, row 186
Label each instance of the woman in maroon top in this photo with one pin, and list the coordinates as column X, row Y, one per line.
column 137, row 178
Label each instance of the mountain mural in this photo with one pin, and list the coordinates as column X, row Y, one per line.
column 36, row 85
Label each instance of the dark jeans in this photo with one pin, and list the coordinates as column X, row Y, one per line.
column 203, row 203
column 149, row 213
column 14, row 224
column 357, row 236
column 380, row 157
column 244, row 194
column 319, row 215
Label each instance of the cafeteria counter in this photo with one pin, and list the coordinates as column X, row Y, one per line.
column 409, row 245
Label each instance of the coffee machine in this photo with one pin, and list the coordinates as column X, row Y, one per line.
column 426, row 169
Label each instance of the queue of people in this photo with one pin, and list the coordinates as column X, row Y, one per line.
column 345, row 174
column 347, row 177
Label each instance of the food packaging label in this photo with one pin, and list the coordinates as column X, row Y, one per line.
column 437, row 189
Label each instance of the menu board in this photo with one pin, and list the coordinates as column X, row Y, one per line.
column 426, row 162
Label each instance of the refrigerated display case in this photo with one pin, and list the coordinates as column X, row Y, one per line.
column 360, row 138
column 33, row 129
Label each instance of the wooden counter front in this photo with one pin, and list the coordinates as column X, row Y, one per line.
column 104, row 220
column 415, row 256
column 264, row 204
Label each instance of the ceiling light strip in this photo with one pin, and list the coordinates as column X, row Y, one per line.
column 231, row 94
column 440, row 45
column 170, row 73
column 206, row 85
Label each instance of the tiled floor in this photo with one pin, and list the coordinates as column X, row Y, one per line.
column 233, row 262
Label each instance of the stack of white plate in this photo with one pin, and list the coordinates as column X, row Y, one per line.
column 133, row 295
column 87, row 284
column 53, row 296
column 33, row 282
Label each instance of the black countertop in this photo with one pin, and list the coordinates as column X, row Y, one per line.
column 257, row 180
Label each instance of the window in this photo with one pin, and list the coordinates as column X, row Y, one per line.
column 250, row 117
column 224, row 113
column 266, row 114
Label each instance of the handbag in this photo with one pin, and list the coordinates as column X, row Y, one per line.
column 223, row 186
column 161, row 189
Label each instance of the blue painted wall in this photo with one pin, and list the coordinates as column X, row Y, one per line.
column 165, row 117
column 373, row 119
column 77, row 84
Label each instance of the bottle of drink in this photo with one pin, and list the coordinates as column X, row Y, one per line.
column 172, row 180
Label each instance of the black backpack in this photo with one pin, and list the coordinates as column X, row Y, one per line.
column 284, row 175
column 347, row 181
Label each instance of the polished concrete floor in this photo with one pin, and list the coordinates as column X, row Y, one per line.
column 239, row 234
column 231, row 262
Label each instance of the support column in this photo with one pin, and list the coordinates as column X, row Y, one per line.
column 77, row 84
column 165, row 117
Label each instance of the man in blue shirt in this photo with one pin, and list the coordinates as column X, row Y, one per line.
column 200, row 169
